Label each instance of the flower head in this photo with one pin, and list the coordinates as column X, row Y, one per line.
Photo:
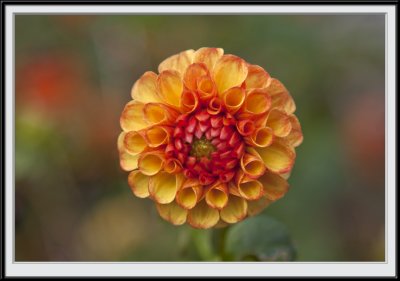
column 211, row 138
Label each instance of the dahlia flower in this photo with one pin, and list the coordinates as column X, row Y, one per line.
column 210, row 139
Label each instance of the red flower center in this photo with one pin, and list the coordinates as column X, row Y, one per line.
column 207, row 146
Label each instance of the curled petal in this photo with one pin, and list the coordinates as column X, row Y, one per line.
column 158, row 114
column 251, row 189
column 189, row 101
column 275, row 186
column 233, row 99
column 151, row 163
column 280, row 96
column 257, row 77
column 235, row 210
column 139, row 184
column 170, row 87
column 192, row 73
column 208, row 56
column 158, row 135
column 172, row 212
column 278, row 157
column 134, row 142
column 164, row 186
column 295, row 137
column 203, row 216
column 279, row 122
column 145, row 89
column 215, row 106
column 229, row 71
column 261, row 137
column 178, row 62
column 257, row 102
column 172, row 166
column 217, row 196
column 128, row 162
column 188, row 196
column 254, row 207
column 245, row 127
column 120, row 142
column 206, row 88
column 252, row 165
column 132, row 118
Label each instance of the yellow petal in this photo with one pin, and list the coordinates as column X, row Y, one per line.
column 252, row 165
column 150, row 163
column 192, row 73
column 256, row 206
column 163, row 187
column 206, row 88
column 128, row 162
column 295, row 137
column 134, row 142
column 257, row 77
column 280, row 96
column 233, row 99
column 275, row 186
column 257, row 102
column 189, row 196
column 145, row 89
column 158, row 135
column 279, row 122
column 132, row 117
column 189, row 101
column 170, row 87
column 250, row 189
column 229, row 71
column 208, row 56
column 120, row 142
column 217, row 196
column 261, row 137
column 278, row 157
column 178, row 62
column 203, row 216
column 157, row 114
column 172, row 166
column 172, row 212
column 235, row 210
column 139, row 184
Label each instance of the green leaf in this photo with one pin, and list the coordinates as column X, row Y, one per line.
column 259, row 238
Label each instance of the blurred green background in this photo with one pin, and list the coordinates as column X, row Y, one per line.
column 74, row 75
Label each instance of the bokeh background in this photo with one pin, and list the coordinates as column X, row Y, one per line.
column 74, row 75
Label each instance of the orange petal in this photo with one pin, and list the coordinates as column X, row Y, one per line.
column 229, row 71
column 208, row 56
column 170, row 87
column 157, row 114
column 188, row 196
column 132, row 117
column 295, row 137
column 172, row 212
column 278, row 157
column 192, row 73
column 150, row 163
column 139, row 184
column 280, row 96
column 252, row 165
column 206, row 88
column 257, row 77
column 233, row 99
column 217, row 196
column 203, row 216
column 134, row 142
column 145, row 89
column 164, row 186
column 172, row 166
column 275, row 186
column 261, row 137
column 178, row 62
column 279, row 122
column 256, row 206
column 189, row 101
column 128, row 162
column 245, row 127
column 257, row 102
column 158, row 135
column 235, row 210
column 120, row 142
column 214, row 106
column 250, row 189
